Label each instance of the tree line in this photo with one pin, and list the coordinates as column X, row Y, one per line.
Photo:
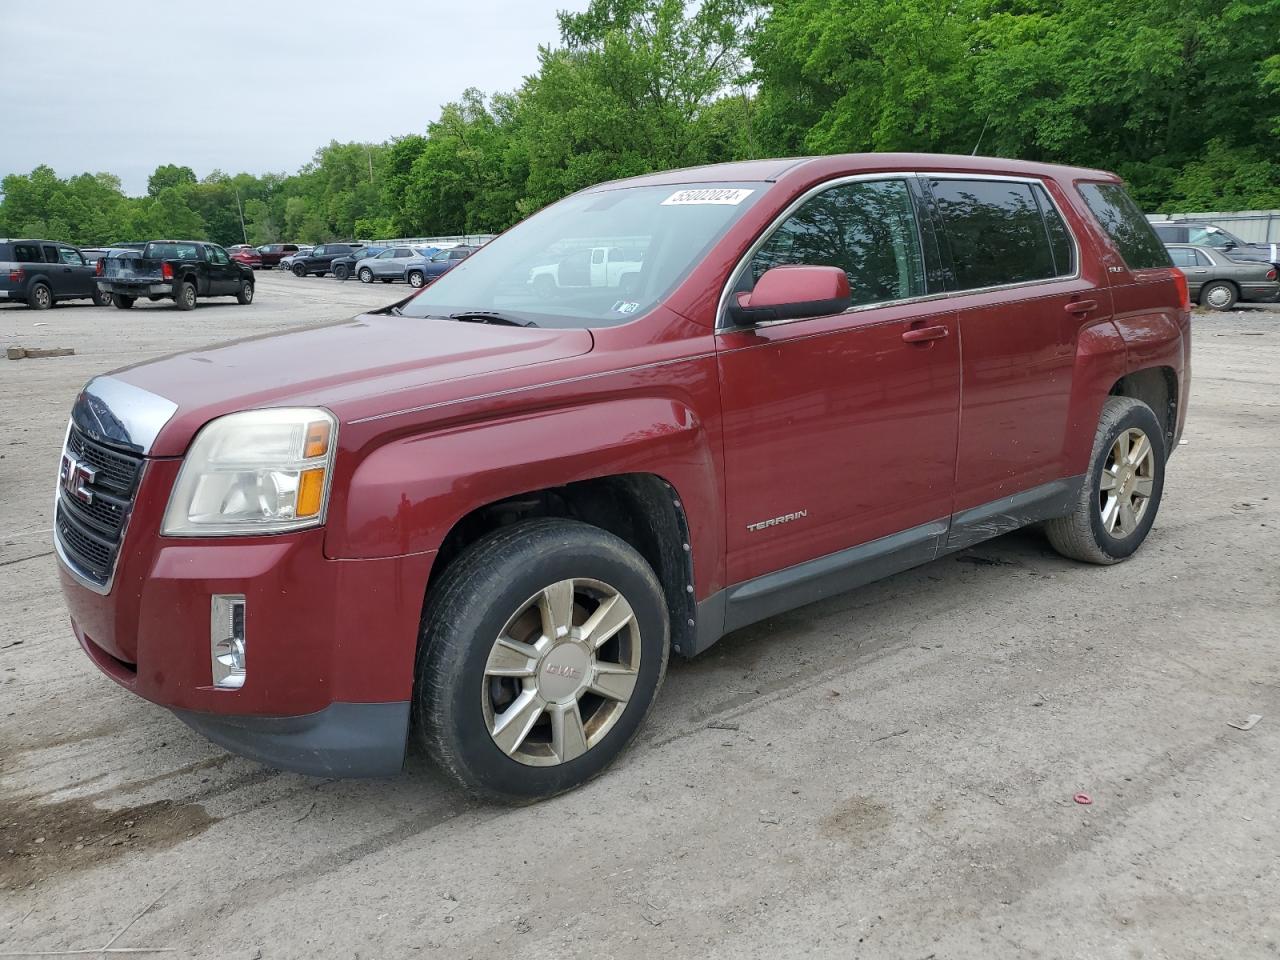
column 1180, row 97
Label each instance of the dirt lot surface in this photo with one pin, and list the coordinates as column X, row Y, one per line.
column 889, row 773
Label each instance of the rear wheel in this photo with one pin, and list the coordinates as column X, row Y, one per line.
column 1218, row 295
column 121, row 301
column 245, row 294
column 100, row 297
column 186, row 296
column 40, row 297
column 542, row 650
column 366, row 275
column 1121, row 492
column 415, row 278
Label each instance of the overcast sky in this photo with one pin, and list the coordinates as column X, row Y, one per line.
column 255, row 86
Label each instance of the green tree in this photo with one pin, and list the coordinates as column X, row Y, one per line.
column 169, row 175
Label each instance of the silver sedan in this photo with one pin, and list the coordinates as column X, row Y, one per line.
column 389, row 264
column 1216, row 281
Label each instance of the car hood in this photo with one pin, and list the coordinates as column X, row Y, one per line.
column 357, row 368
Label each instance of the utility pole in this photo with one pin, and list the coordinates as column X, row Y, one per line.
column 243, row 232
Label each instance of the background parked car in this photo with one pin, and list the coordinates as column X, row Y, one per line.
column 422, row 270
column 243, row 253
column 1210, row 235
column 344, row 267
column 271, row 253
column 39, row 273
column 391, row 263
column 319, row 260
column 1217, row 281
column 286, row 261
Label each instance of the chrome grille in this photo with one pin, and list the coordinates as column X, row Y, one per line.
column 91, row 511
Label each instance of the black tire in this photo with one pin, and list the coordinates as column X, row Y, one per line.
column 415, row 278
column 365, row 275
column 39, row 297
column 299, row 270
column 121, row 301
column 101, row 298
column 340, row 272
column 1082, row 534
column 1219, row 295
column 185, row 296
column 244, row 295
column 467, row 610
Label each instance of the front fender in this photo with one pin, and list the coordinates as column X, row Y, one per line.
column 406, row 495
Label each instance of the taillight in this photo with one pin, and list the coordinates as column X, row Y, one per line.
column 17, row 276
column 99, row 266
column 166, row 272
column 1271, row 274
column 1180, row 282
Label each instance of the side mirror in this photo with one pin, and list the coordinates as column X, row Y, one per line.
column 793, row 293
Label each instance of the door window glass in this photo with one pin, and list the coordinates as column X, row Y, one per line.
column 995, row 231
column 50, row 254
column 1124, row 223
column 1183, row 258
column 385, row 255
column 217, row 254
column 71, row 257
column 867, row 229
column 1064, row 251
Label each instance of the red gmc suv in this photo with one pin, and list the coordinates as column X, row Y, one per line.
column 489, row 513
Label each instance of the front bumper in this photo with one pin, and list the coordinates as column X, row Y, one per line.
column 330, row 644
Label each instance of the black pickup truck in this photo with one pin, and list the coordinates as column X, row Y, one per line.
column 178, row 270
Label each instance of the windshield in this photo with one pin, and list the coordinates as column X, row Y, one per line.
column 594, row 259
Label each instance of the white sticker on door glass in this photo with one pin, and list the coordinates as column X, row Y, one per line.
column 730, row 196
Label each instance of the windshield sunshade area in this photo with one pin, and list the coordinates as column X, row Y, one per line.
column 594, row 259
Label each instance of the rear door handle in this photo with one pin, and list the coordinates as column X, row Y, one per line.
column 924, row 334
column 1081, row 306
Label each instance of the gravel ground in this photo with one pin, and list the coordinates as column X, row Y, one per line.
column 889, row 773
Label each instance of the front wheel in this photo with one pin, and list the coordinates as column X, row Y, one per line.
column 1121, row 492
column 415, row 278
column 245, row 294
column 121, row 301
column 299, row 270
column 340, row 272
column 542, row 649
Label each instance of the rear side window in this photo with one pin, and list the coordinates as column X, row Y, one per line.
column 172, row 251
column 1124, row 223
column 1064, row 251
column 867, row 229
column 1183, row 258
column 26, row 253
column 996, row 232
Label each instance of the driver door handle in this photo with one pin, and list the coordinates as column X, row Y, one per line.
column 1081, row 306
column 924, row 334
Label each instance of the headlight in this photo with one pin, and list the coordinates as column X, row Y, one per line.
column 261, row 471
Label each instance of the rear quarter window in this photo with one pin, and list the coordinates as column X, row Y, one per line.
column 1124, row 223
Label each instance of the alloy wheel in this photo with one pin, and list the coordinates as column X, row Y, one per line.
column 561, row 672
column 1128, row 478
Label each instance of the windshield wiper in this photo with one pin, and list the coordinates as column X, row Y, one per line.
column 490, row 316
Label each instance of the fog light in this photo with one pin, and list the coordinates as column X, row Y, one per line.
column 226, row 640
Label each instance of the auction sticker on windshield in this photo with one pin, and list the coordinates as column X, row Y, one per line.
column 721, row 195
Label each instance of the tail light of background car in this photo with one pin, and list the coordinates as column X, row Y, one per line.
column 1271, row 274
column 166, row 272
column 1180, row 282
column 99, row 266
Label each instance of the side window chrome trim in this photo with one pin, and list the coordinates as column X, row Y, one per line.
column 722, row 306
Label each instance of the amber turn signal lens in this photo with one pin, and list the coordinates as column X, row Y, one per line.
column 317, row 444
column 310, row 492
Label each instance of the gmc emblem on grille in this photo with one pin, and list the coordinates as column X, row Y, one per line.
column 75, row 478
